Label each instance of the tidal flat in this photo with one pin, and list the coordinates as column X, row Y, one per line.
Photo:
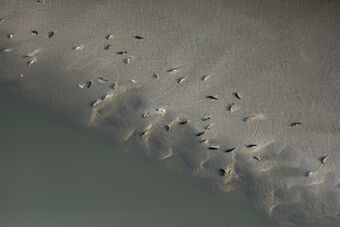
column 56, row 173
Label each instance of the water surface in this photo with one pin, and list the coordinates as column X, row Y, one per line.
column 55, row 173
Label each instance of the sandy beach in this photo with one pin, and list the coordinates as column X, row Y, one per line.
column 244, row 94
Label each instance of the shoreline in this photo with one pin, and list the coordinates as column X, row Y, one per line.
column 96, row 180
column 264, row 122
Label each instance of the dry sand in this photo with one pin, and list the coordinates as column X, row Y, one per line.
column 244, row 93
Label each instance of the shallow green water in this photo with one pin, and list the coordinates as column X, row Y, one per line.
column 54, row 173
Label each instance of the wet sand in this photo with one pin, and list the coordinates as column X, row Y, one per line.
column 243, row 94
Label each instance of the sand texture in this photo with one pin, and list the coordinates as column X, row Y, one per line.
column 245, row 94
